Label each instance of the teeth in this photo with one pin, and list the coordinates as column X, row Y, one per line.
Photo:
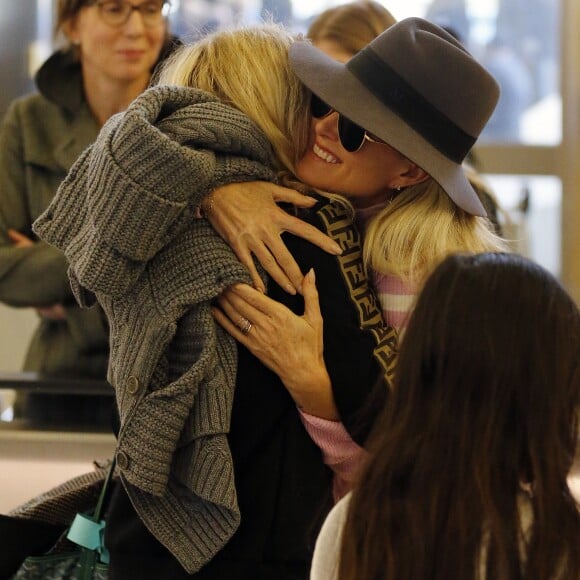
column 324, row 155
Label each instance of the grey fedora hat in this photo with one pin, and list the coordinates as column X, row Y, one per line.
column 417, row 89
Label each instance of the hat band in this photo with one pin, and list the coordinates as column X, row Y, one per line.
column 394, row 92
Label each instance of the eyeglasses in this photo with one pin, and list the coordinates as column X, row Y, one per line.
column 116, row 13
column 352, row 136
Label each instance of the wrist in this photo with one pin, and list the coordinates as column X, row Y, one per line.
column 314, row 396
column 206, row 206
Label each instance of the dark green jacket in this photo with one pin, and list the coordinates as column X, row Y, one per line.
column 40, row 138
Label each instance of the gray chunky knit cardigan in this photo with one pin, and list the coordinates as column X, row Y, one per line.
column 125, row 219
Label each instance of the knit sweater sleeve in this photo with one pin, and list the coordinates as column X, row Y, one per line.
column 137, row 187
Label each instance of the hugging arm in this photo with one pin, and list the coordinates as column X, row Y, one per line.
column 288, row 344
column 247, row 217
column 292, row 347
column 330, row 353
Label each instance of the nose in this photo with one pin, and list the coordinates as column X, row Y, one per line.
column 327, row 126
column 135, row 26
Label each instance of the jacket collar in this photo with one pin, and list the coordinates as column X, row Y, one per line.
column 60, row 81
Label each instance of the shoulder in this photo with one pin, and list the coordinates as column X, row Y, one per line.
column 50, row 136
column 31, row 106
column 34, row 115
column 327, row 550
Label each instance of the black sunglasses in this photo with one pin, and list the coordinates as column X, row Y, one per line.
column 352, row 136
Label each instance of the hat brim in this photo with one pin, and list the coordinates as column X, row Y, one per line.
column 333, row 82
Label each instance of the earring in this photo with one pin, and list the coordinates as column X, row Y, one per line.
column 398, row 188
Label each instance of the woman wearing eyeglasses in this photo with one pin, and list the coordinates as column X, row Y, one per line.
column 110, row 50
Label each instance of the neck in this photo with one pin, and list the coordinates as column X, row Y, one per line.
column 108, row 97
column 382, row 199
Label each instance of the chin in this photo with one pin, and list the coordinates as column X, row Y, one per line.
column 312, row 178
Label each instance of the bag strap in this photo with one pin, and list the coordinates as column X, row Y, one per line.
column 104, row 489
column 88, row 531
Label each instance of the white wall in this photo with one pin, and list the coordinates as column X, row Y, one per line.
column 33, row 462
column 16, row 327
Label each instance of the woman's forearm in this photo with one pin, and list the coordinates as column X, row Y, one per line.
column 339, row 452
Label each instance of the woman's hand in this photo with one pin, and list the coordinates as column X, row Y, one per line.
column 19, row 240
column 246, row 216
column 54, row 312
column 289, row 345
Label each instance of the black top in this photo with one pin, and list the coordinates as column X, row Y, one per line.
column 284, row 490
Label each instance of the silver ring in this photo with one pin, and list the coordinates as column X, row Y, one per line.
column 247, row 327
column 244, row 325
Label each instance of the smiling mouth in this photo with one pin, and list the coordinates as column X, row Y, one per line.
column 131, row 53
column 324, row 155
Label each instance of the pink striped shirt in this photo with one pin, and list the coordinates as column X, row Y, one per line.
column 339, row 451
column 396, row 297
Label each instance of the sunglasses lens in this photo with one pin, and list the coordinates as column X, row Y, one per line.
column 319, row 108
column 351, row 135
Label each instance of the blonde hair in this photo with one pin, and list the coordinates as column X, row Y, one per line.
column 248, row 68
column 352, row 26
column 419, row 228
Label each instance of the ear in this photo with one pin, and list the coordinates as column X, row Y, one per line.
column 70, row 30
column 413, row 175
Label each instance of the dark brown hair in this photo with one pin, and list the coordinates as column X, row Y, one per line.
column 485, row 403
column 67, row 9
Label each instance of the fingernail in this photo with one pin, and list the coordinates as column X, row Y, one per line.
column 336, row 249
column 311, row 275
column 290, row 289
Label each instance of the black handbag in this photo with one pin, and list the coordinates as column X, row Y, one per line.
column 88, row 560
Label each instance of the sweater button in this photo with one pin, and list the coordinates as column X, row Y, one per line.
column 133, row 385
column 122, row 460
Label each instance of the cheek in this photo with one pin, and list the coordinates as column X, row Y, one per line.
column 97, row 39
column 303, row 172
column 157, row 38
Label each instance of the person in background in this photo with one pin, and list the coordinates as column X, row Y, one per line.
column 343, row 30
column 467, row 474
column 110, row 50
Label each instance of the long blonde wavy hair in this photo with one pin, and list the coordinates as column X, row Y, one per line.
column 248, row 68
column 419, row 228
